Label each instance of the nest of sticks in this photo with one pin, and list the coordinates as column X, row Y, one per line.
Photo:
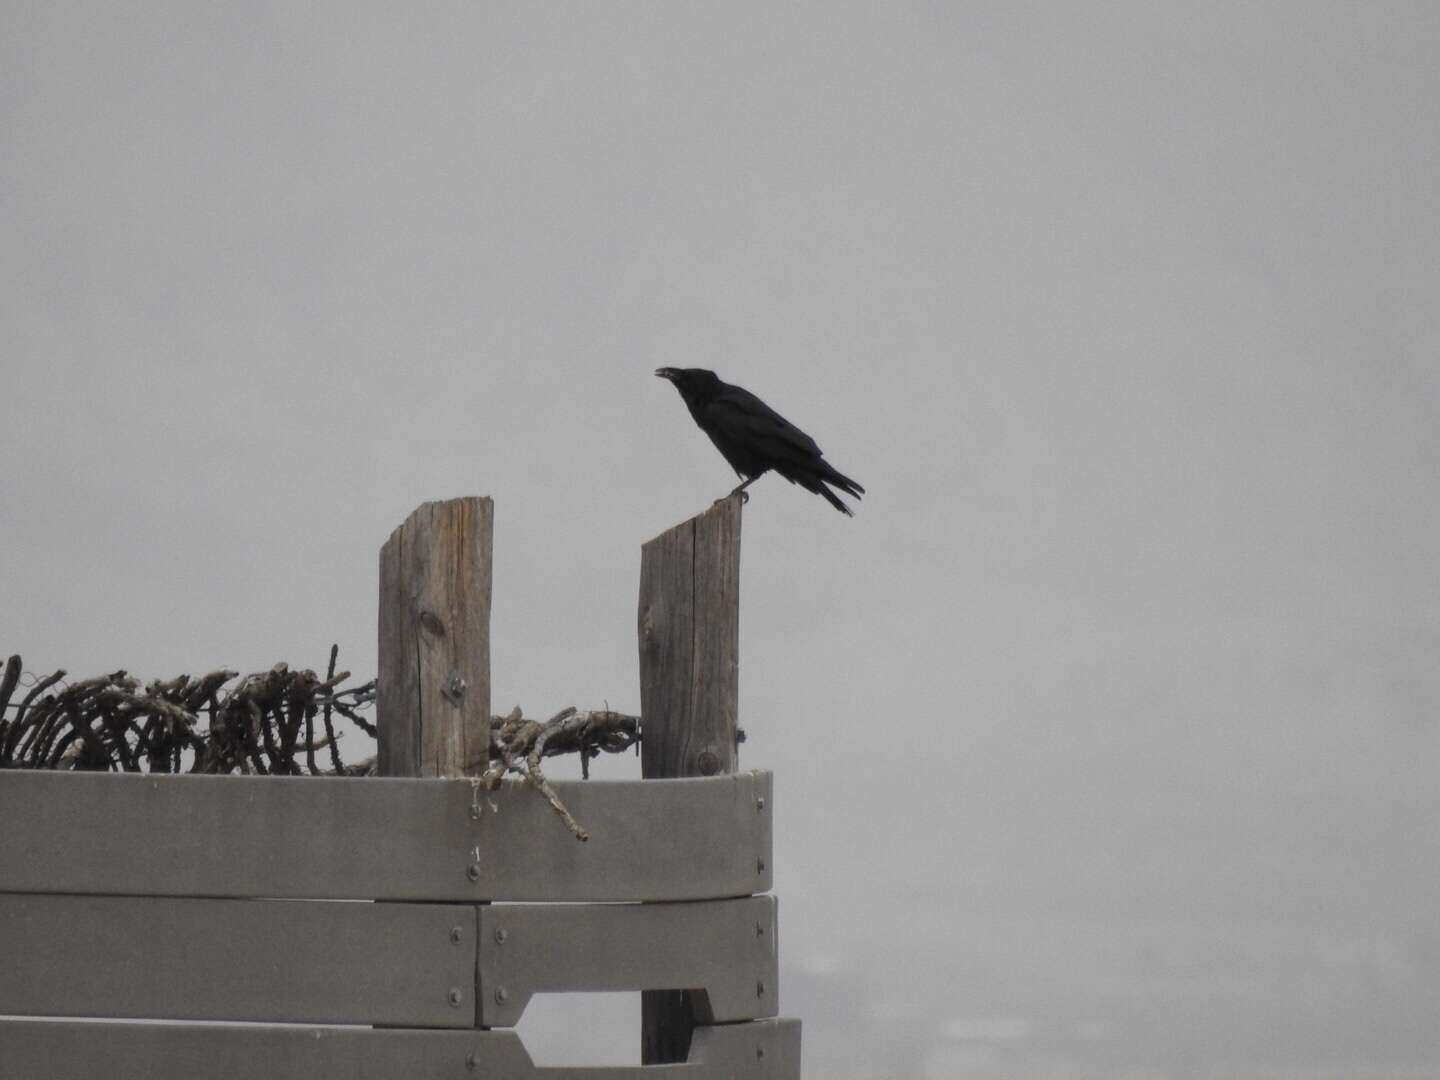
column 271, row 723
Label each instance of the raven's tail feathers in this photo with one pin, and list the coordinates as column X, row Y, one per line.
column 832, row 498
column 832, row 476
column 840, row 480
column 816, row 476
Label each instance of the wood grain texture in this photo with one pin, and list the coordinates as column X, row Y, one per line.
column 689, row 630
column 381, row 839
column 259, row 960
column 723, row 951
column 87, row 1050
column 433, row 692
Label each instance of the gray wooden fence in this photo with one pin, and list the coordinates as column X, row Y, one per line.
column 396, row 926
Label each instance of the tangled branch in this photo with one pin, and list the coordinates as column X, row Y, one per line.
column 265, row 724
column 112, row 723
column 517, row 746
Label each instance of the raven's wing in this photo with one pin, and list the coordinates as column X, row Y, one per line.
column 741, row 418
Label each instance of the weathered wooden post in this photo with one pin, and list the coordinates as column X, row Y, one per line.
column 689, row 625
column 433, row 693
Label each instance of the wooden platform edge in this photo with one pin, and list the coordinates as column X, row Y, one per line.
column 383, row 838
column 404, row 965
column 83, row 1050
column 277, row 961
column 723, row 950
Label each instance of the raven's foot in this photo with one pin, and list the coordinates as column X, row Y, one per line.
column 740, row 489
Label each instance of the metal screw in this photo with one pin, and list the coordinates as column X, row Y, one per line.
column 455, row 935
column 759, row 989
column 500, row 935
column 760, row 803
column 454, row 688
column 474, row 872
column 759, row 866
column 500, row 995
column 759, row 929
column 709, row 763
column 759, row 1051
column 472, row 1060
column 455, row 998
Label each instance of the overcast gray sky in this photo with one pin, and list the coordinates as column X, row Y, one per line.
column 1105, row 736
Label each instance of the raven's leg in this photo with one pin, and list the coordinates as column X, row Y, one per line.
column 745, row 498
column 744, row 495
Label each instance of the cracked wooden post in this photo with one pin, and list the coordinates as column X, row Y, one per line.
column 689, row 623
column 433, row 683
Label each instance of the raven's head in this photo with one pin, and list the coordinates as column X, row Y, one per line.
column 693, row 383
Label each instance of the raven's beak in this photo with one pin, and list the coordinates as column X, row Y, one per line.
column 666, row 373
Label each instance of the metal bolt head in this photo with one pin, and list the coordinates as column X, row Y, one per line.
column 759, row 866
column 709, row 762
column 759, row 989
column 500, row 995
column 473, row 872
column 455, row 935
column 472, row 1060
column 500, row 935
column 759, row 929
column 759, row 1051
column 455, row 998
column 760, row 803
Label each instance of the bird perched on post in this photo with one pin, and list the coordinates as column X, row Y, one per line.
column 754, row 438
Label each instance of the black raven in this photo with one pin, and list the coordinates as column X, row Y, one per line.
column 755, row 438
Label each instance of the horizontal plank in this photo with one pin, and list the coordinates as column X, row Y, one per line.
column 764, row 1050
column 410, row 965
column 382, row 839
column 725, row 949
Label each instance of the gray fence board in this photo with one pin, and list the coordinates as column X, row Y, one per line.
column 382, row 839
column 725, row 948
column 29, row 1050
column 410, row 965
